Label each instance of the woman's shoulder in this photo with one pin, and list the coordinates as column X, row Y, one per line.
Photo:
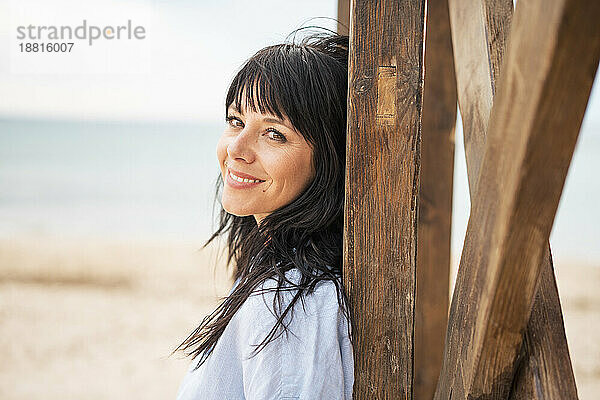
column 325, row 293
column 263, row 306
column 315, row 344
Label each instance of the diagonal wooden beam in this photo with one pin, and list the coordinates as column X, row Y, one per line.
column 533, row 127
column 435, row 201
column 479, row 38
column 545, row 371
column 475, row 69
column 385, row 90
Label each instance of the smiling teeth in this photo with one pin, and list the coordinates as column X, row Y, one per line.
column 243, row 180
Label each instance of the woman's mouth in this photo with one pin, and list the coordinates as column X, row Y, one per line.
column 240, row 182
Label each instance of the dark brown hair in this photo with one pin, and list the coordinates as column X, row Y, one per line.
column 307, row 82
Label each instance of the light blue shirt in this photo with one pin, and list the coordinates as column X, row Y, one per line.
column 313, row 361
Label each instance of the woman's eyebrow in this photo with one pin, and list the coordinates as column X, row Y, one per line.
column 265, row 119
column 233, row 109
column 278, row 121
column 274, row 121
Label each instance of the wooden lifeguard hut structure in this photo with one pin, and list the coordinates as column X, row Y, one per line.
column 522, row 83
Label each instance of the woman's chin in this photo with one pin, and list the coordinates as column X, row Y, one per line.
column 236, row 210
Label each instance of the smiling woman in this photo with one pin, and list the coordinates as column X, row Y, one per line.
column 281, row 188
column 265, row 163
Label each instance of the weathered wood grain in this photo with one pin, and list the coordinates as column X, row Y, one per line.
column 473, row 78
column 532, row 132
column 554, row 367
column 498, row 18
column 435, row 201
column 544, row 371
column 382, row 188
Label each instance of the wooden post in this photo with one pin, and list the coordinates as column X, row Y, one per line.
column 480, row 35
column 382, row 188
column 533, row 127
column 435, row 201
column 343, row 17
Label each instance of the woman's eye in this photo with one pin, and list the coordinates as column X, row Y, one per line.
column 276, row 135
column 234, row 121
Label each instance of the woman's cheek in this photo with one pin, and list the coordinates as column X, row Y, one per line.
column 222, row 150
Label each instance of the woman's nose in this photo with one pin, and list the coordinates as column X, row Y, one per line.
column 242, row 147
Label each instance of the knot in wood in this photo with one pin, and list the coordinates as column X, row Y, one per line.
column 363, row 84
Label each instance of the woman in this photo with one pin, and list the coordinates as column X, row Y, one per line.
column 283, row 332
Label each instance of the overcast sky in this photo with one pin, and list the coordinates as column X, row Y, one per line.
column 180, row 71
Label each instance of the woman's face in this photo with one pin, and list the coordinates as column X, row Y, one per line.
column 265, row 163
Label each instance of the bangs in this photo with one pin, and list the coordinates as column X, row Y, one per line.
column 252, row 88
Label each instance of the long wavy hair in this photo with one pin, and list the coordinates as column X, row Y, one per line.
column 306, row 81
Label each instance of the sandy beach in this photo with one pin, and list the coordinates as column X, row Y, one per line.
column 89, row 319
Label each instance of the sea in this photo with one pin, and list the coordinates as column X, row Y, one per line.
column 156, row 180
